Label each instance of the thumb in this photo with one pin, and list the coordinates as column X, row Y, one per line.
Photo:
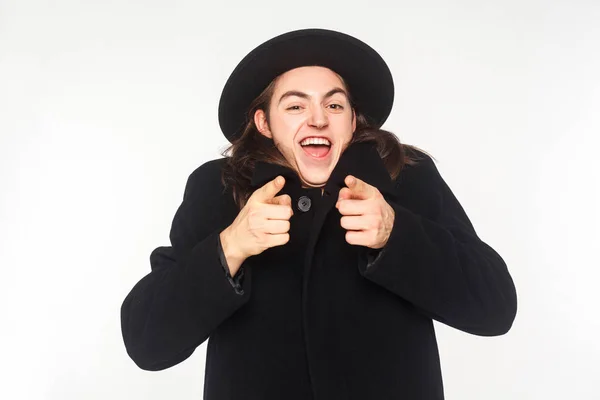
column 266, row 192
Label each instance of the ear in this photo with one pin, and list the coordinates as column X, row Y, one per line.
column 260, row 120
column 353, row 120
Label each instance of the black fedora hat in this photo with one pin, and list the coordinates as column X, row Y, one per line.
column 365, row 72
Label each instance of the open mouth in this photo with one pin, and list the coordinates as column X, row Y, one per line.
column 317, row 149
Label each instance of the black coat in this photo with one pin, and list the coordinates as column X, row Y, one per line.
column 318, row 318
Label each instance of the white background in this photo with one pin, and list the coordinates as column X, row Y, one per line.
column 107, row 106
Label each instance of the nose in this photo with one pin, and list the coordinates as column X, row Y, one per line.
column 318, row 117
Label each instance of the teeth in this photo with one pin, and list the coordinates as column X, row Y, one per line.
column 308, row 141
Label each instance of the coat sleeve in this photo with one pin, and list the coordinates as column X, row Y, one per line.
column 187, row 294
column 440, row 265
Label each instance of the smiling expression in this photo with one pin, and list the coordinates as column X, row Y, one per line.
column 309, row 106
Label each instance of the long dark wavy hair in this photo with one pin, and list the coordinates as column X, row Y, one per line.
column 251, row 147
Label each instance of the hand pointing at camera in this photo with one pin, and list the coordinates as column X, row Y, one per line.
column 366, row 215
column 262, row 223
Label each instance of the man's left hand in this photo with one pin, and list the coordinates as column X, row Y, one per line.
column 366, row 216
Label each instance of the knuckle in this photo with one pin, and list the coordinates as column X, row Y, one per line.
column 376, row 224
column 373, row 237
column 262, row 239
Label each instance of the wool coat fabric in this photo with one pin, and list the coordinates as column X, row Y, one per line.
column 319, row 318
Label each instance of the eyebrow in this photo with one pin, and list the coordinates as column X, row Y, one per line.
column 306, row 96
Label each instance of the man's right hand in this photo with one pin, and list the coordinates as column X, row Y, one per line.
column 262, row 223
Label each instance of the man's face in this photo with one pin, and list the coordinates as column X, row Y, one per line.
column 309, row 102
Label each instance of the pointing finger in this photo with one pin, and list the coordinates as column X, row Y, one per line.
column 358, row 189
column 269, row 190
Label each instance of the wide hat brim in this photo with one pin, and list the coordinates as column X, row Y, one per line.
column 365, row 72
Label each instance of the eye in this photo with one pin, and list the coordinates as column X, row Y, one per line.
column 293, row 108
column 337, row 106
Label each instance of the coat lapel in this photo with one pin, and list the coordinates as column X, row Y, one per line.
column 359, row 159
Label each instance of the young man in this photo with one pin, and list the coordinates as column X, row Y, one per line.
column 317, row 253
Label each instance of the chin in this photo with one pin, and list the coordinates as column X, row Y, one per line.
column 314, row 180
column 313, row 175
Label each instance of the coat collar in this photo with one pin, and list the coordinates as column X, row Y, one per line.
column 359, row 159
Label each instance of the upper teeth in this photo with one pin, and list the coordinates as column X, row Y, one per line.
column 308, row 141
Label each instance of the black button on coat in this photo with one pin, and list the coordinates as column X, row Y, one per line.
column 318, row 318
